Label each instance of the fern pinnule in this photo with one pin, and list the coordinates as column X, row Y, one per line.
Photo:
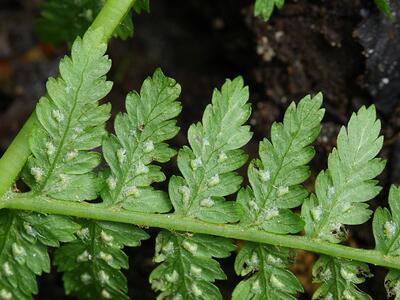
column 340, row 195
column 71, row 122
column 276, row 187
column 139, row 139
column 187, row 267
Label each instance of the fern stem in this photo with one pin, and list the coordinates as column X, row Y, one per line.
column 180, row 223
column 110, row 16
column 14, row 158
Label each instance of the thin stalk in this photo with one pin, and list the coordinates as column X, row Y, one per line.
column 111, row 16
column 13, row 160
column 180, row 223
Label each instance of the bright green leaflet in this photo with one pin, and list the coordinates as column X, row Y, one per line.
column 267, row 275
column 341, row 190
column 276, row 187
column 338, row 278
column 187, row 267
column 340, row 193
column 92, row 263
column 139, row 140
column 264, row 8
column 24, row 238
column 71, row 122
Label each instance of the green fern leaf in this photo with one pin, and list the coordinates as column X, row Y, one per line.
column 70, row 123
column 208, row 167
column 338, row 278
column 92, row 263
column 187, row 268
column 276, row 187
column 268, row 277
column 342, row 189
column 24, row 238
column 139, row 139
column 264, row 8
column 62, row 21
column 276, row 180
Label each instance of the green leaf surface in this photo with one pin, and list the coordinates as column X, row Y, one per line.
column 139, row 139
column 208, row 166
column 63, row 21
column 264, row 8
column 71, row 122
column 341, row 190
column 276, row 178
column 267, row 276
column 24, row 238
column 187, row 267
column 339, row 277
column 386, row 225
column 92, row 263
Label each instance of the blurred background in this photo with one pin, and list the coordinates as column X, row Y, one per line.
column 346, row 49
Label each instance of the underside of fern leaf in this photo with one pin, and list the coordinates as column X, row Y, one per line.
column 92, row 263
column 340, row 191
column 340, row 195
column 24, row 238
column 267, row 275
column 139, row 140
column 276, row 187
column 71, row 122
column 187, row 267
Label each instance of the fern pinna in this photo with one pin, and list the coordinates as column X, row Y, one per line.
column 65, row 172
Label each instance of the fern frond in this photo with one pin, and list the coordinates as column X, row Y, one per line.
column 139, row 139
column 264, row 8
column 340, row 191
column 62, row 21
column 276, row 187
column 92, row 263
column 386, row 227
column 208, row 166
column 187, row 268
column 276, row 179
column 338, row 278
column 268, row 277
column 71, row 122
column 24, row 238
